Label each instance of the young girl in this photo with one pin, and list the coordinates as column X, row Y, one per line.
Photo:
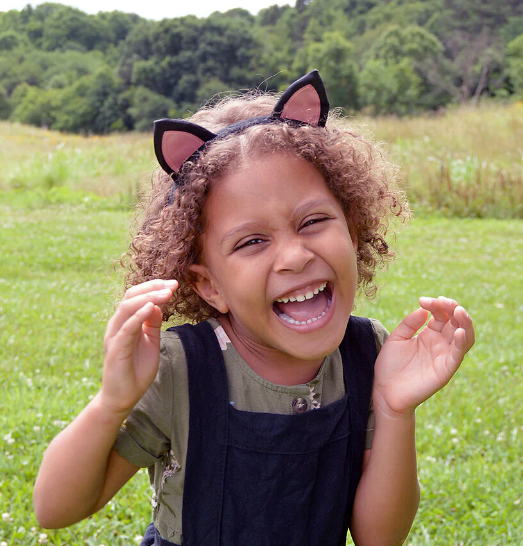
column 254, row 421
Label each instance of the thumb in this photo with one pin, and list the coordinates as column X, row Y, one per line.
column 410, row 325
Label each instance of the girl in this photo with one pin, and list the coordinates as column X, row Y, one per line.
column 254, row 421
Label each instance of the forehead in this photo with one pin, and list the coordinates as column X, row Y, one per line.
column 272, row 182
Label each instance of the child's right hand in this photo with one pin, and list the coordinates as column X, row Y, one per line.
column 132, row 345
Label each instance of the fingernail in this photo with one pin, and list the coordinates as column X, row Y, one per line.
column 171, row 283
column 165, row 292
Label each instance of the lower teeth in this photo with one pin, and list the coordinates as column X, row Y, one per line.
column 290, row 320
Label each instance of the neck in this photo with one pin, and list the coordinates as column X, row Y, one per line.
column 271, row 364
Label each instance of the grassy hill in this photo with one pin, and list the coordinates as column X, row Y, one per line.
column 64, row 216
column 466, row 162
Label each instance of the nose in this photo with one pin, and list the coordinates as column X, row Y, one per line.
column 292, row 256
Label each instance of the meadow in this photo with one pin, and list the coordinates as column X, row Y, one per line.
column 65, row 207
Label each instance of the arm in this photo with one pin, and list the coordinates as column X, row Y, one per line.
column 80, row 471
column 410, row 369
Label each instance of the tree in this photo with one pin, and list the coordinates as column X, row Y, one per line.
column 10, row 39
column 333, row 58
column 37, row 106
column 515, row 64
column 67, row 28
column 389, row 87
column 5, row 105
column 146, row 106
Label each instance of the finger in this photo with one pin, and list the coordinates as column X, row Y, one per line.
column 410, row 325
column 449, row 306
column 150, row 286
column 442, row 310
column 153, row 324
column 436, row 307
column 124, row 341
column 128, row 307
column 465, row 322
column 458, row 350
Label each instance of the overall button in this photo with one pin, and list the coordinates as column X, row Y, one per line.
column 299, row 405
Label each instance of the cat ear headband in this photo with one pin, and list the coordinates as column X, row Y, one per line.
column 176, row 140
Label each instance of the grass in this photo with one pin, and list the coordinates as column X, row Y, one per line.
column 41, row 167
column 466, row 162
column 58, row 240
column 57, row 290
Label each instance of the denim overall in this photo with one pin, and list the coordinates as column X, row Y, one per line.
column 261, row 479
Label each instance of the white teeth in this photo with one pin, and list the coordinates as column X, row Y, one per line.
column 303, row 297
column 290, row 320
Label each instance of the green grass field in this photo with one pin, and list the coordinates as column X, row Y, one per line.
column 58, row 287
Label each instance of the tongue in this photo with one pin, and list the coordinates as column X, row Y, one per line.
column 305, row 310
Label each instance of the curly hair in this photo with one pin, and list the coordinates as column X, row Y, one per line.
column 168, row 241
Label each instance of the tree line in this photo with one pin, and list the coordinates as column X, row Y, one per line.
column 64, row 69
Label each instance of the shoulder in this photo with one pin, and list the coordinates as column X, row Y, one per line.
column 380, row 333
column 176, row 340
column 173, row 363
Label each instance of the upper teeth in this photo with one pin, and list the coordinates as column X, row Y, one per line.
column 303, row 297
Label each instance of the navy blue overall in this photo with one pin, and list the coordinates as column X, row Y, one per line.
column 260, row 479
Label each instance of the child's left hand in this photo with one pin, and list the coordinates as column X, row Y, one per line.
column 410, row 368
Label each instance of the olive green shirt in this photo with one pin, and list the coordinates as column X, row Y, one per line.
column 155, row 435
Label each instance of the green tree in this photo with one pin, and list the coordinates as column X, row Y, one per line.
column 412, row 42
column 70, row 28
column 333, row 57
column 5, row 104
column 146, row 106
column 515, row 64
column 95, row 103
column 37, row 107
column 388, row 87
column 11, row 39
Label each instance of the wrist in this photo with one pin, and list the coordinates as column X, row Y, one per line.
column 382, row 408
column 107, row 412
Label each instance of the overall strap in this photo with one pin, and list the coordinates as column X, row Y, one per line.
column 358, row 352
column 208, row 426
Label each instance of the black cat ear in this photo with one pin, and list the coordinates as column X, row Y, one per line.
column 176, row 140
column 304, row 100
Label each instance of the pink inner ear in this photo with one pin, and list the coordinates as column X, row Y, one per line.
column 304, row 106
column 178, row 146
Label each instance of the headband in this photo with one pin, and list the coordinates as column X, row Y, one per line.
column 175, row 140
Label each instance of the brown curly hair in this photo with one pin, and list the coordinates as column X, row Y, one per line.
column 168, row 241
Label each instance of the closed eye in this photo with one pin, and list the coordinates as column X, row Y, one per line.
column 249, row 242
column 313, row 221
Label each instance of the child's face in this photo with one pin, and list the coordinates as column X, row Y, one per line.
column 274, row 230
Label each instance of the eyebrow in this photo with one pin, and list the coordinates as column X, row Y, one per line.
column 248, row 226
column 256, row 226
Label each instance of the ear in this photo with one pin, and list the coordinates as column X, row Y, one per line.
column 176, row 140
column 205, row 287
column 304, row 100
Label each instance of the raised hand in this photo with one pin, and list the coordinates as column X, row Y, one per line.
column 132, row 344
column 411, row 368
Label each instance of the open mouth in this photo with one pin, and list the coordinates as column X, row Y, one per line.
column 309, row 305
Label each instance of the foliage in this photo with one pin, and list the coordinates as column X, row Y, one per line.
column 332, row 56
column 515, row 64
column 395, row 57
column 389, row 87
